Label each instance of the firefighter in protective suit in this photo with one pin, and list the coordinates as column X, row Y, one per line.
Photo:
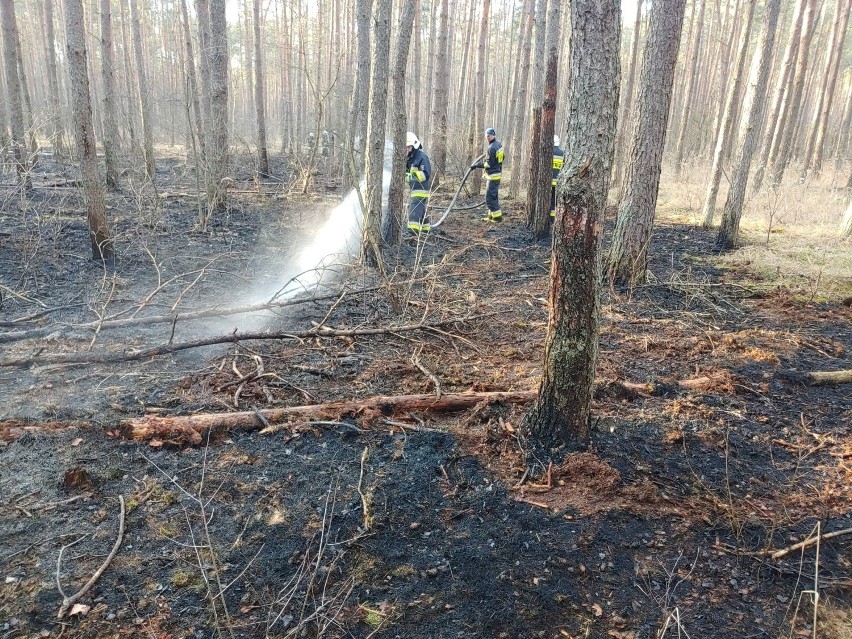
column 558, row 161
column 493, row 165
column 418, row 173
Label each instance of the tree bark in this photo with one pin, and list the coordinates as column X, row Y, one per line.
column 814, row 155
column 562, row 410
column 192, row 82
column 726, row 130
column 442, row 98
column 110, row 140
column 846, row 224
column 535, row 141
column 399, row 119
column 627, row 262
column 360, row 93
column 518, row 106
column 750, row 136
column 689, row 95
column 371, row 237
column 626, row 102
column 56, row 106
column 479, row 98
column 786, row 145
column 260, row 94
column 144, row 93
column 217, row 128
column 541, row 221
column 84, row 134
column 14, row 93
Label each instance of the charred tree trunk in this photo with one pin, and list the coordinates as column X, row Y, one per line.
column 260, row 94
column 541, row 220
column 14, row 93
column 627, row 262
column 398, row 121
column 754, row 108
column 110, row 140
column 562, row 411
column 442, row 97
column 726, row 130
column 371, row 238
column 84, row 134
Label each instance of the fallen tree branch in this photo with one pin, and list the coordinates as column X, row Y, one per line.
column 67, row 602
column 810, row 541
column 231, row 338
column 14, row 336
column 188, row 428
column 820, row 378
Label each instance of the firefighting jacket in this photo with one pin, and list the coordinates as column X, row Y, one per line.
column 418, row 172
column 493, row 163
column 558, row 160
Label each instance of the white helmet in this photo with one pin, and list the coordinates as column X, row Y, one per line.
column 555, row 140
column 411, row 140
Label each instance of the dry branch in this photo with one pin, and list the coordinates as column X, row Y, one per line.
column 810, row 541
column 165, row 349
column 67, row 602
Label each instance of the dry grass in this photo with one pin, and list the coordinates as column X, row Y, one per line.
column 789, row 235
column 835, row 621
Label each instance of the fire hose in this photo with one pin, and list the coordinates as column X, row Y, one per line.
column 456, row 196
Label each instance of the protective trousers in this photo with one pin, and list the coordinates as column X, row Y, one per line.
column 492, row 198
column 417, row 220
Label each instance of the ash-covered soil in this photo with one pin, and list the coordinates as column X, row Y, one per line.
column 412, row 525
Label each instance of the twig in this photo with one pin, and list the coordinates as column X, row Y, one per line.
column 416, row 361
column 67, row 602
column 364, row 503
column 810, row 541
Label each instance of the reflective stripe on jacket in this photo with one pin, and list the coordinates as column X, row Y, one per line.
column 558, row 160
column 418, row 172
column 494, row 161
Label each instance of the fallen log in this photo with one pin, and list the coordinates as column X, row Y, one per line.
column 13, row 429
column 188, row 428
column 818, row 378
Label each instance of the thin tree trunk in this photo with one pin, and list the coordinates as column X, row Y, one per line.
column 14, row 93
column 360, row 94
column 750, row 137
column 260, row 94
column 519, row 101
column 398, row 121
column 626, row 106
column 217, row 146
column 371, row 239
column 627, row 262
column 479, row 97
column 144, row 93
column 814, row 155
column 192, row 80
column 689, row 96
column 846, row 224
column 535, row 141
column 56, row 107
column 562, row 411
column 541, row 222
column 417, row 76
column 786, row 145
column 84, row 134
column 130, row 102
column 442, row 98
column 726, row 130
column 110, row 139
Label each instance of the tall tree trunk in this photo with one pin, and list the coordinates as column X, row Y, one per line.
column 130, row 107
column 786, row 146
column 846, row 224
column 360, row 94
column 217, row 145
column 371, row 239
column 626, row 106
column 144, row 93
column 689, row 96
column 417, row 76
column 430, row 64
column 260, row 94
column 110, row 138
column 541, row 222
column 479, row 97
column 814, row 155
column 780, row 102
column 192, row 80
column 726, row 130
column 13, row 91
column 535, row 141
column 562, row 411
column 750, row 137
column 627, row 262
column 84, row 134
column 442, row 98
column 399, row 119
column 56, row 107
column 519, row 100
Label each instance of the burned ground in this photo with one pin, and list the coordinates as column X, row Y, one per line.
column 413, row 525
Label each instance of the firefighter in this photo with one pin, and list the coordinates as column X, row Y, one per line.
column 558, row 160
column 418, row 172
column 493, row 165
